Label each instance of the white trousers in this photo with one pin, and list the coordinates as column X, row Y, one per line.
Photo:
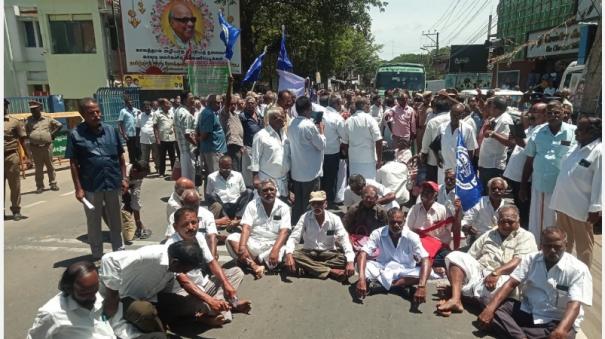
column 367, row 169
column 341, row 182
column 187, row 164
column 540, row 214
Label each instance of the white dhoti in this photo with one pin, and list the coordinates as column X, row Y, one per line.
column 474, row 274
column 387, row 274
column 259, row 249
column 246, row 162
column 341, row 182
column 540, row 214
column 367, row 169
column 187, row 164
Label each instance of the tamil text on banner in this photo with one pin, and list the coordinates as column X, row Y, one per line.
column 207, row 77
column 158, row 33
column 154, row 82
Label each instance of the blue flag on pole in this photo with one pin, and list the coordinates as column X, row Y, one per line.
column 254, row 70
column 468, row 187
column 283, row 62
column 229, row 35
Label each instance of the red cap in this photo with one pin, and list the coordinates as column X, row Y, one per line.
column 432, row 185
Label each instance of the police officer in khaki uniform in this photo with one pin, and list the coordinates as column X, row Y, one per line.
column 41, row 131
column 14, row 133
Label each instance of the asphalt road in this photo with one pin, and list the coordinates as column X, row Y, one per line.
column 38, row 249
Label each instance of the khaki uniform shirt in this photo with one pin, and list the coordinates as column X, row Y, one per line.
column 491, row 251
column 13, row 130
column 40, row 131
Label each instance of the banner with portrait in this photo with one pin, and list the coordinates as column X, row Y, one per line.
column 158, row 34
column 154, row 81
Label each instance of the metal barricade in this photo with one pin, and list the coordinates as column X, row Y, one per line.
column 111, row 101
column 21, row 104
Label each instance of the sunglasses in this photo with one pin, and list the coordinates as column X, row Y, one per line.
column 185, row 20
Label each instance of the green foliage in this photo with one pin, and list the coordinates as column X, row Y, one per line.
column 433, row 63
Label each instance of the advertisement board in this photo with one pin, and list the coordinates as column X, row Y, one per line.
column 158, row 34
column 563, row 40
column 462, row 81
column 468, row 59
column 154, row 82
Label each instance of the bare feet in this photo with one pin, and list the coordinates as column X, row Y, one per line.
column 224, row 221
column 440, row 271
column 208, row 320
column 450, row 306
column 242, row 306
column 337, row 274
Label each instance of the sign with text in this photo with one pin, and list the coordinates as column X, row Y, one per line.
column 159, row 33
column 207, row 77
column 154, row 82
column 563, row 40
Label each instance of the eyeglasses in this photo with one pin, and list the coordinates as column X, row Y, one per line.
column 554, row 112
column 185, row 20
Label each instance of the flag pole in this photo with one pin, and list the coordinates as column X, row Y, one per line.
column 254, row 83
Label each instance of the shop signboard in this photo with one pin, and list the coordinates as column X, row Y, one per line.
column 154, row 82
column 558, row 41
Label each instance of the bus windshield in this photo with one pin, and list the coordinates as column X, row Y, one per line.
column 408, row 80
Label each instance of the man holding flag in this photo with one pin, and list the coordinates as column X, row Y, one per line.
column 229, row 36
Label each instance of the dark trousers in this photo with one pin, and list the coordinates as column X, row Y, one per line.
column 232, row 210
column 134, row 153
column 485, row 174
column 522, row 206
column 330, row 169
column 235, row 152
column 431, row 173
column 510, row 322
column 301, row 191
column 166, row 147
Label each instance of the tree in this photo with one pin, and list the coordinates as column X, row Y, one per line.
column 432, row 62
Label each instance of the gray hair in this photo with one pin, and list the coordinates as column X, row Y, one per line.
column 494, row 179
column 507, row 207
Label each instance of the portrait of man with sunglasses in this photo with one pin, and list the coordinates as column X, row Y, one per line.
column 182, row 21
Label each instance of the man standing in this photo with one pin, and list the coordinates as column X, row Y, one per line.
column 401, row 120
column 41, row 131
column 492, row 156
column 212, row 138
column 14, row 135
column 232, row 125
column 577, row 194
column 307, row 143
column 98, row 170
column 184, row 127
column 335, row 133
column 364, row 141
column 127, row 122
column 163, row 127
column 252, row 123
column 376, row 110
column 427, row 156
column 449, row 132
column 147, row 138
column 545, row 149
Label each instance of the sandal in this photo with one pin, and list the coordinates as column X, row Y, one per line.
column 145, row 233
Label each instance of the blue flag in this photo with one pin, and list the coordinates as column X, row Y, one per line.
column 254, row 70
column 468, row 187
column 283, row 62
column 229, row 35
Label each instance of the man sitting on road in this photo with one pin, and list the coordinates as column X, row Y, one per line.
column 221, row 286
column 191, row 199
column 554, row 285
column 482, row 217
column 320, row 229
column 488, row 262
column 77, row 311
column 265, row 228
column 364, row 217
column 134, row 279
column 226, row 193
column 396, row 266
column 357, row 182
column 175, row 202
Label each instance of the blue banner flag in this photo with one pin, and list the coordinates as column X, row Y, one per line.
column 283, row 62
column 254, row 70
column 291, row 82
column 468, row 187
column 229, row 35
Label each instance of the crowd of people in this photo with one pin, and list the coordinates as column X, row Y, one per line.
column 367, row 184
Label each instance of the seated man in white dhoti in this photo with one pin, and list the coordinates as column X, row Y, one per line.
column 396, row 265
column 265, row 228
column 386, row 198
column 489, row 261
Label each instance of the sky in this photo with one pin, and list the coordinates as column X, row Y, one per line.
column 399, row 28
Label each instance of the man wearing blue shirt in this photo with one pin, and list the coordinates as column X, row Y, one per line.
column 127, row 121
column 98, row 170
column 212, row 138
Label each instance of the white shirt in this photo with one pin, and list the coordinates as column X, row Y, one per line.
column 482, row 216
column 420, row 218
column 493, row 153
column 516, row 161
column 320, row 237
column 173, row 204
column 394, row 176
column 377, row 113
column 269, row 154
column 408, row 252
column 446, row 199
column 147, row 136
column 265, row 227
column 449, row 141
column 430, row 133
column 334, row 130
column 206, row 222
column 546, row 293
column 63, row 317
column 307, row 147
column 351, row 198
column 361, row 134
column 140, row 274
column 197, row 276
column 578, row 187
column 228, row 190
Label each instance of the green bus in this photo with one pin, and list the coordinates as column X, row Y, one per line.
column 400, row 75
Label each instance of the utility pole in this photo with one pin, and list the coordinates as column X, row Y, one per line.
column 435, row 41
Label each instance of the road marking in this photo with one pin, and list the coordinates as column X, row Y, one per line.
column 68, row 193
column 34, row 204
